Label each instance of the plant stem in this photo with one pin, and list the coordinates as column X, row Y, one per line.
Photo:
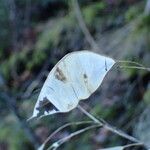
column 89, row 115
column 108, row 126
column 65, row 139
column 135, row 65
column 130, row 62
column 43, row 146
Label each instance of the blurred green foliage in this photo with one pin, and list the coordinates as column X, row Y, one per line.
column 13, row 135
column 147, row 96
column 60, row 31
column 133, row 12
column 94, row 10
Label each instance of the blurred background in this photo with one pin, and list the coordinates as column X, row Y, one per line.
column 35, row 35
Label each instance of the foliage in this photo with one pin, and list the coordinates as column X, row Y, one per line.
column 91, row 12
column 48, row 34
column 13, row 136
column 147, row 96
column 133, row 12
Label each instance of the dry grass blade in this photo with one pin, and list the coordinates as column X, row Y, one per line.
column 129, row 62
column 109, row 127
column 135, row 67
column 42, row 147
column 122, row 147
column 57, row 144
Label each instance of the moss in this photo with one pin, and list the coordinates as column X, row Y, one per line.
column 50, row 37
column 16, row 58
column 37, row 58
column 104, row 113
column 83, row 143
column 146, row 20
column 90, row 12
column 5, row 70
column 16, row 143
column 135, row 47
column 1, row 53
column 132, row 72
column 133, row 12
column 144, row 23
column 146, row 97
column 15, row 138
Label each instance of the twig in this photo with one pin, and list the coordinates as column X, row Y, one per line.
column 63, row 140
column 135, row 67
column 109, row 127
column 83, row 26
column 125, row 146
column 130, row 62
column 138, row 65
column 43, row 146
column 89, row 115
column 134, row 144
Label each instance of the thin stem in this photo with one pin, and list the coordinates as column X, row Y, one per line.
column 63, row 140
column 134, row 144
column 120, row 133
column 108, row 126
column 89, row 115
column 138, row 65
column 128, row 61
column 43, row 146
column 125, row 146
column 135, row 67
